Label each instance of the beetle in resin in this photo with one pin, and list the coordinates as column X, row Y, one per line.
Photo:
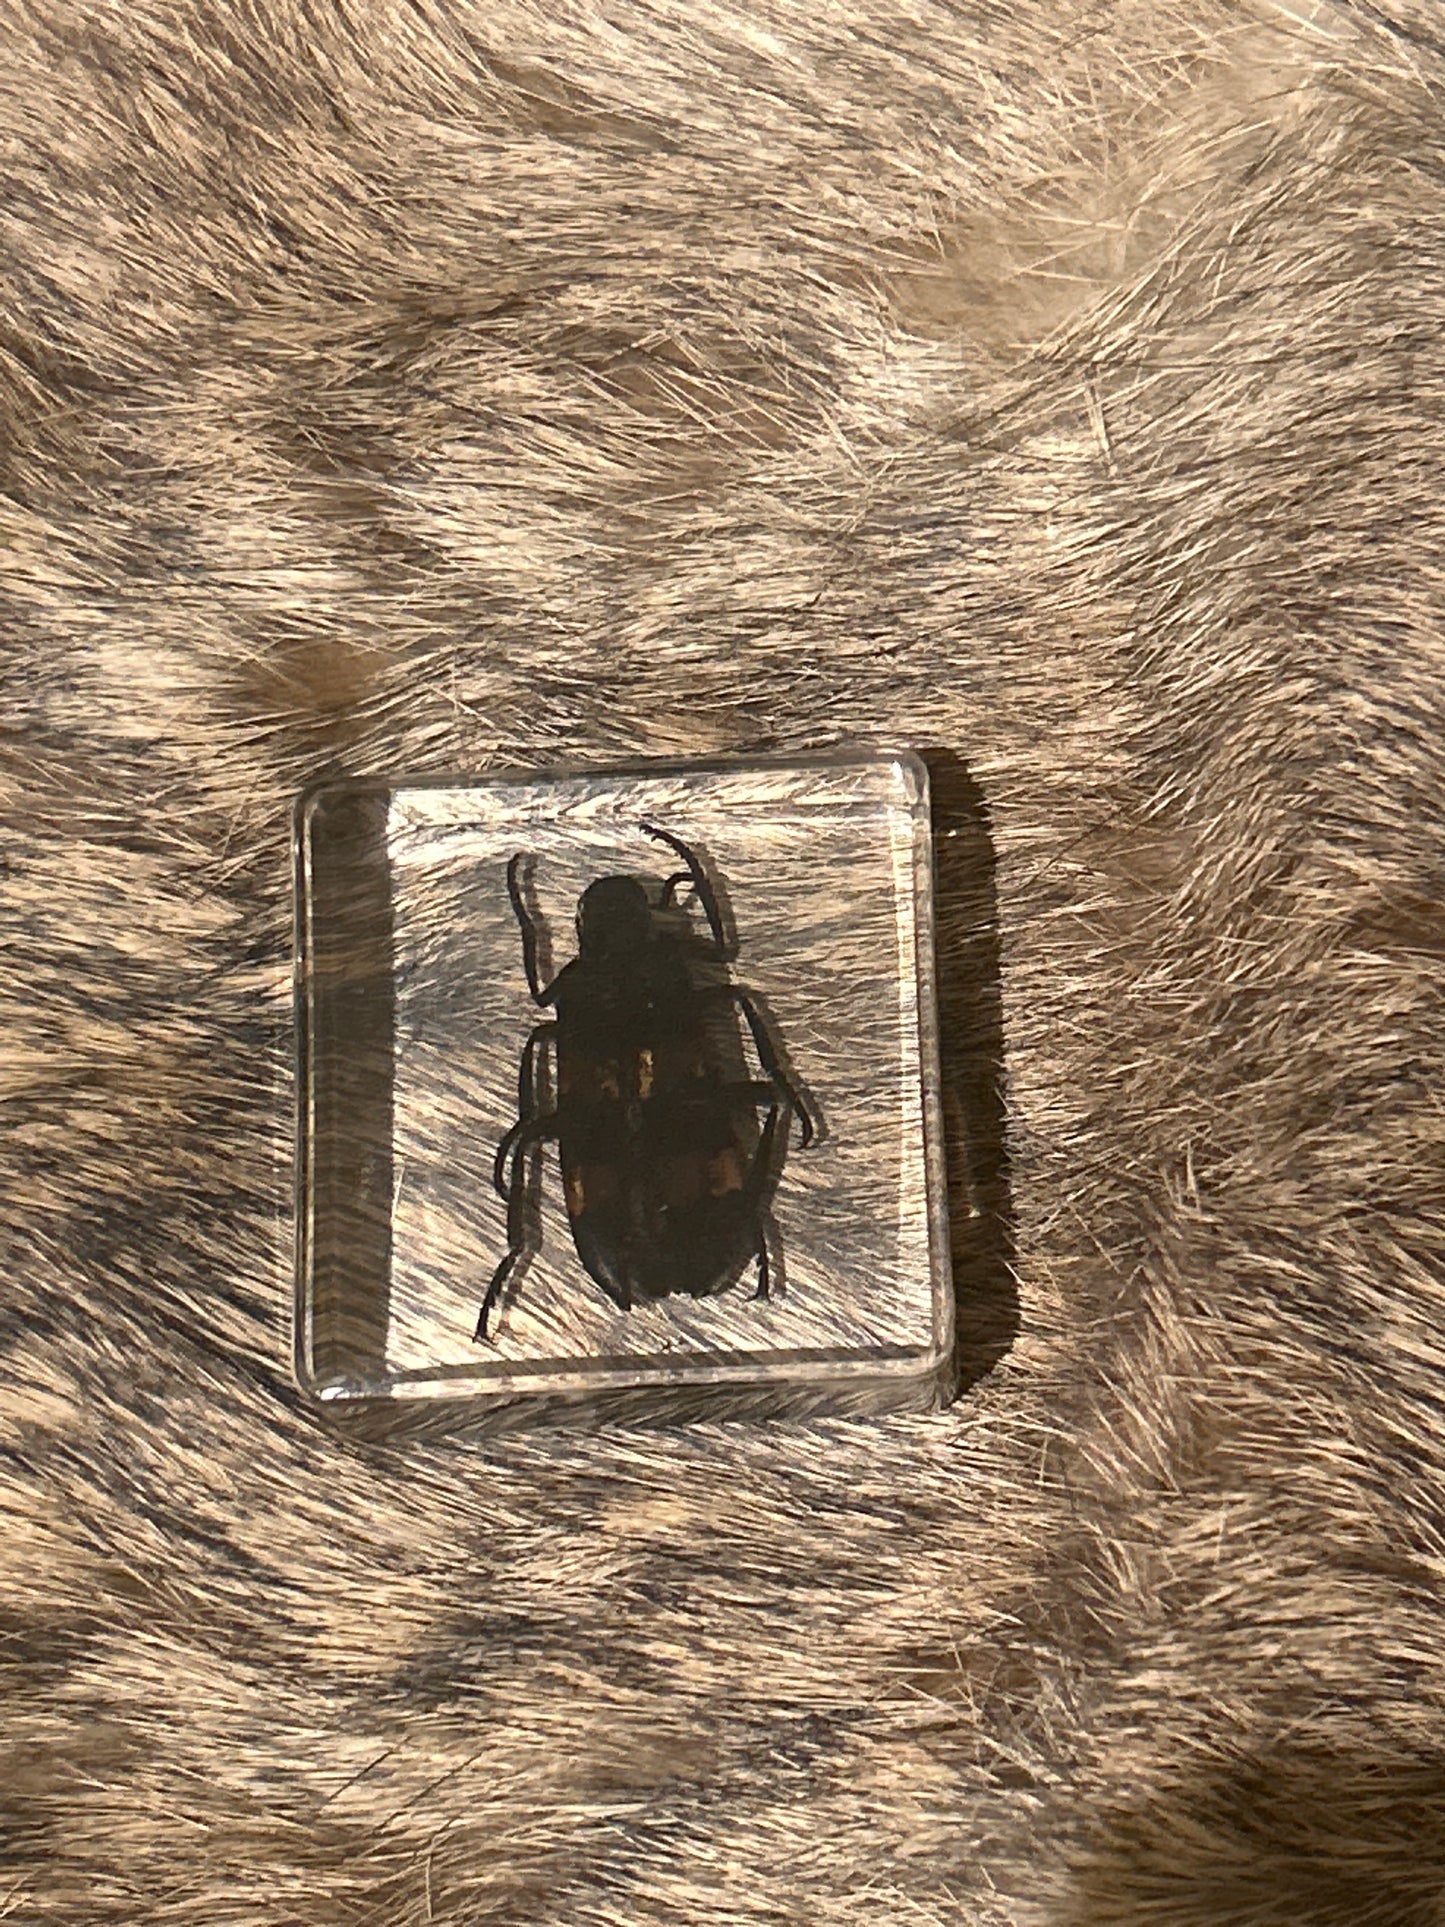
column 670, row 1143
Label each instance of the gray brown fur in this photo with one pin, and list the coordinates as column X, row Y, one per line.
column 425, row 386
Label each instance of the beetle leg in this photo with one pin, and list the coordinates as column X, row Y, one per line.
column 521, row 1139
column 768, row 1255
column 526, row 1102
column 664, row 902
column 527, row 924
column 521, row 1243
column 705, row 894
column 772, row 1063
column 763, row 1265
column 521, row 1146
column 517, row 1243
column 494, row 1292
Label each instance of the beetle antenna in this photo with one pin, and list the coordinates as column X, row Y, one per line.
column 701, row 886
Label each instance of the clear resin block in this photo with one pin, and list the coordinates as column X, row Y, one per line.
column 766, row 976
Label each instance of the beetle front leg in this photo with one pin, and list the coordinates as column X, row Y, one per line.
column 771, row 1061
column 527, row 924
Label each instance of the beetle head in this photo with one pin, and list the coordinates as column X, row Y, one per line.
column 613, row 917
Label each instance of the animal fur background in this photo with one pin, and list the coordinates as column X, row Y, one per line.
column 1057, row 386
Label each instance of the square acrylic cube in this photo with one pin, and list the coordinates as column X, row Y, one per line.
column 621, row 1165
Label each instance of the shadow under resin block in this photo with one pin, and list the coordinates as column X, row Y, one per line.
column 618, row 1096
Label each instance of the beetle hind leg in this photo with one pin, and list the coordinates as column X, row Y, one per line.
column 494, row 1292
column 516, row 1171
column 518, row 1246
column 524, row 1229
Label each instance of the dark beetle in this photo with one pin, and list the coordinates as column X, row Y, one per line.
column 667, row 1172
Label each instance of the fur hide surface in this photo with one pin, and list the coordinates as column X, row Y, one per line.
column 427, row 386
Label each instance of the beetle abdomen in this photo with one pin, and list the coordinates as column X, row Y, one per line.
column 638, row 1249
column 661, row 1190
